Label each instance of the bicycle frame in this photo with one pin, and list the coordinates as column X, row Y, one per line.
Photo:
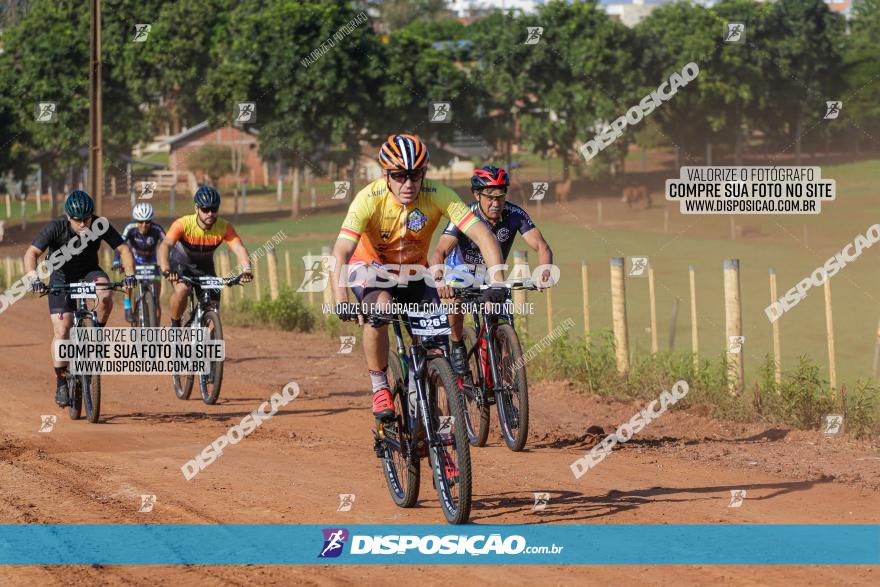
column 486, row 328
column 199, row 304
column 414, row 357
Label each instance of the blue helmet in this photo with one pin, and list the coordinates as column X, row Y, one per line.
column 79, row 205
column 207, row 197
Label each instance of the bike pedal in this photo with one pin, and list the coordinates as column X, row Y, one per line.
column 378, row 446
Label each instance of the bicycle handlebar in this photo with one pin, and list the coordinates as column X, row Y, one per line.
column 114, row 285
column 228, row 281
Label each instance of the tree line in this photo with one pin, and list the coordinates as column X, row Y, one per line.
column 200, row 57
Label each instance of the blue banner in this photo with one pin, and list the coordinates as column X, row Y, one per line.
column 566, row 544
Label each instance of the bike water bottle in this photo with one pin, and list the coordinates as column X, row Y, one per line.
column 127, row 304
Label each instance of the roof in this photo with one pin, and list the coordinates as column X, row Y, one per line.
column 197, row 130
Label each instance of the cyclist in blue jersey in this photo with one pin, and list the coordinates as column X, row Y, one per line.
column 142, row 236
column 489, row 185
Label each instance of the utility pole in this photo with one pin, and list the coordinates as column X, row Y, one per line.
column 96, row 150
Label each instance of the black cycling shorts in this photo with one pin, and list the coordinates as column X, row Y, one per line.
column 191, row 268
column 60, row 302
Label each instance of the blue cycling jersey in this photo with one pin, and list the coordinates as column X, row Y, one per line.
column 142, row 246
column 513, row 219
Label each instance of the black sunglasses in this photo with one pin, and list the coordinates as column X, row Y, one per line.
column 402, row 176
column 492, row 196
column 207, row 210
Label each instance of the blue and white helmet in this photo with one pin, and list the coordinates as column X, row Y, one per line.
column 142, row 212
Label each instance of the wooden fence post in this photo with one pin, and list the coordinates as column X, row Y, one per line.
column 521, row 267
column 877, row 351
column 653, row 301
column 9, row 271
column 223, row 260
column 586, row 291
column 272, row 262
column 328, row 291
column 257, row 289
column 829, row 325
column 618, row 315
column 733, row 326
column 777, row 359
column 695, row 339
column 311, row 293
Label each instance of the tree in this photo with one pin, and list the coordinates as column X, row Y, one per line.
column 309, row 97
column 585, row 73
column 397, row 14
column 674, row 35
column 862, row 72
column 801, row 62
column 46, row 56
column 214, row 161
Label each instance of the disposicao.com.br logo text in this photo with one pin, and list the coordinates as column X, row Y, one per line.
column 334, row 540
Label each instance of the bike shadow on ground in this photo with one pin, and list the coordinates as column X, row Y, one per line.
column 591, row 439
column 191, row 417
column 572, row 506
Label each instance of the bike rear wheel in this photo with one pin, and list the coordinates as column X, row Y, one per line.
column 90, row 387
column 149, row 310
column 209, row 384
column 477, row 415
column 513, row 400
column 451, row 463
column 403, row 477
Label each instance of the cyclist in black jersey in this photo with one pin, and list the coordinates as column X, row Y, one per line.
column 75, row 234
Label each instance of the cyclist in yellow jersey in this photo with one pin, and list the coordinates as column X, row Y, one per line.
column 391, row 222
column 189, row 245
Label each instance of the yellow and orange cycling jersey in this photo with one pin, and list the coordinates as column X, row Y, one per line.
column 197, row 243
column 389, row 232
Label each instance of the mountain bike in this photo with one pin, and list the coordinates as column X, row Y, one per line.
column 84, row 386
column 428, row 420
column 498, row 375
column 204, row 313
column 144, row 310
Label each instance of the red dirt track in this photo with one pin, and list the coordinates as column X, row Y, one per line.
column 290, row 470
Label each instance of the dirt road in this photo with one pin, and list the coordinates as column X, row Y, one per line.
column 291, row 470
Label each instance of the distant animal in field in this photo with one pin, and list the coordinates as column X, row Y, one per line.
column 563, row 190
column 746, row 230
column 635, row 194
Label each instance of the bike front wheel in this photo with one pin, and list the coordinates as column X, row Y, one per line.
column 399, row 464
column 209, row 384
column 513, row 400
column 451, row 456
column 90, row 388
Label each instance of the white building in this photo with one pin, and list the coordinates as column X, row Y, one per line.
column 471, row 8
column 629, row 13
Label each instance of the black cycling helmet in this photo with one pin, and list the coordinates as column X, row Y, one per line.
column 207, row 197
column 79, row 205
column 489, row 176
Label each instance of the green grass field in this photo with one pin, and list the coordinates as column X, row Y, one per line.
column 803, row 332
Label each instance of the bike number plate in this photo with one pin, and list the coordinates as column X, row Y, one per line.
column 145, row 272
column 212, row 283
column 429, row 324
column 83, row 291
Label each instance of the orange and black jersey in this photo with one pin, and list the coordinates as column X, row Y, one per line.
column 196, row 243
